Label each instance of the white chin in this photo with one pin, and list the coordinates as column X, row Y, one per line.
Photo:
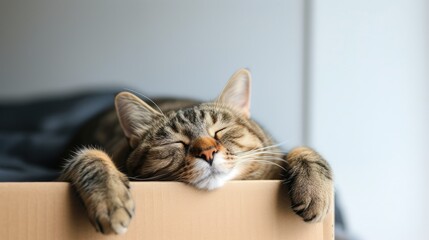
column 212, row 182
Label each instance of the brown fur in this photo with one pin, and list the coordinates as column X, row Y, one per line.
column 202, row 144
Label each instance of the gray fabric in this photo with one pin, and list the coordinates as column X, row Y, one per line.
column 33, row 135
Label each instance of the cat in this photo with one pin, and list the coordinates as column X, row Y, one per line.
column 202, row 144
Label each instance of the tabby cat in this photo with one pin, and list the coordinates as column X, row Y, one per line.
column 201, row 144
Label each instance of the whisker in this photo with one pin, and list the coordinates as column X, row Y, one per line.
column 262, row 161
column 272, row 146
column 261, row 153
column 265, row 157
column 262, row 148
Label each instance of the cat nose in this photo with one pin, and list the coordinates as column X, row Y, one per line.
column 205, row 148
column 208, row 155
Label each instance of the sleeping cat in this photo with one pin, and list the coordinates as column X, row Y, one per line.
column 201, row 144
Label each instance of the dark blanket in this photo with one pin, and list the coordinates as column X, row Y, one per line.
column 33, row 135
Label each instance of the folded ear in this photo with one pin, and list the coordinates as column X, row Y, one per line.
column 134, row 116
column 236, row 93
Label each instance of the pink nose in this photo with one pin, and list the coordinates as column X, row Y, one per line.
column 208, row 155
column 205, row 148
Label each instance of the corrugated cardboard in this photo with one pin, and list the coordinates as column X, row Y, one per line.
column 164, row 210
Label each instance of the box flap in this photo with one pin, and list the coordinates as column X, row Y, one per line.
column 164, row 210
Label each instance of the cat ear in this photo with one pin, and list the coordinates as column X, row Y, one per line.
column 134, row 116
column 237, row 92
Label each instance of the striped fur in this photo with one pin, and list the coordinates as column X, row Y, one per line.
column 201, row 144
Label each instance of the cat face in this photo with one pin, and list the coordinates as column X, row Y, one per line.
column 200, row 146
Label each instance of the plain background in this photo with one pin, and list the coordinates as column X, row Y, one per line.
column 349, row 78
column 370, row 111
column 180, row 48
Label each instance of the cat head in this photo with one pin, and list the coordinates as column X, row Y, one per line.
column 201, row 145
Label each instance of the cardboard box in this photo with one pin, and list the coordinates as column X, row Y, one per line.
column 164, row 210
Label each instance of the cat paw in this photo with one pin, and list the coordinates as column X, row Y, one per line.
column 309, row 179
column 111, row 210
column 312, row 204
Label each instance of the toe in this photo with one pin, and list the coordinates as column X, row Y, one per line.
column 119, row 221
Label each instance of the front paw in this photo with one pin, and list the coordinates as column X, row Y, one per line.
column 309, row 179
column 312, row 203
column 111, row 208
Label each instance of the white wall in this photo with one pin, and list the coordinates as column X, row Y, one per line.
column 370, row 111
column 185, row 48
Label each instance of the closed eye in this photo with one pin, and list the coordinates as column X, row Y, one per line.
column 218, row 131
column 176, row 142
